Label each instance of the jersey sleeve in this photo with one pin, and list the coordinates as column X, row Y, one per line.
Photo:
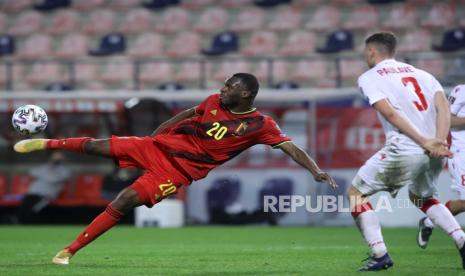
column 457, row 99
column 272, row 134
column 369, row 90
column 200, row 109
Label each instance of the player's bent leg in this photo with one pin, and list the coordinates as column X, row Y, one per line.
column 441, row 216
column 127, row 199
column 456, row 206
column 370, row 228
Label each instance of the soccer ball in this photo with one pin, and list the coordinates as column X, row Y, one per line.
column 29, row 119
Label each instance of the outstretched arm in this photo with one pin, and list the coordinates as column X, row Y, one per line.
column 443, row 119
column 186, row 114
column 436, row 147
column 303, row 159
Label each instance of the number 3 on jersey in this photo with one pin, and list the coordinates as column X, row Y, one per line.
column 217, row 131
column 422, row 105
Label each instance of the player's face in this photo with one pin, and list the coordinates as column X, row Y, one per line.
column 231, row 92
column 369, row 53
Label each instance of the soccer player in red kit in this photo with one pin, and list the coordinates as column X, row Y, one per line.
column 181, row 150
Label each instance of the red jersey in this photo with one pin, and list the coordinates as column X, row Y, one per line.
column 202, row 143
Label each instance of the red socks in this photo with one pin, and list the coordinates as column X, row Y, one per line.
column 97, row 227
column 72, row 144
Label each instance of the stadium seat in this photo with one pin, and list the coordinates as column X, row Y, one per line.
column 173, row 20
column 86, row 71
column 249, row 19
column 228, row 68
column 236, row 3
column 418, row 40
column 160, row 4
column 196, row 4
column 188, row 71
column 123, row 5
column 170, row 86
column 99, row 22
column 441, row 15
column 20, row 183
column 88, row 189
column 7, row 45
column 362, row 18
column 309, row 70
column 185, row 44
column 326, row 18
column 46, row 72
column 136, row 21
column 337, row 41
column 110, row 44
column 223, row 43
column 50, row 5
column 350, row 69
column 87, row 5
column 285, row 19
column 73, row 45
column 261, row 43
column 156, row 72
column 222, row 193
column 211, row 20
column 26, row 23
column 452, row 40
column 279, row 71
column 305, row 3
column 147, row 45
column 401, row 16
column 118, row 70
column 3, row 22
column 58, row 87
column 63, row 22
column 433, row 65
column 15, row 5
column 36, row 46
column 18, row 72
column 298, row 43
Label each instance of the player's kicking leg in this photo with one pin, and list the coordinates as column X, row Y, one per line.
column 126, row 200
column 82, row 144
column 368, row 224
column 440, row 215
column 426, row 226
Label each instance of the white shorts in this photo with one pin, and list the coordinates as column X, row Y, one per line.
column 457, row 172
column 390, row 169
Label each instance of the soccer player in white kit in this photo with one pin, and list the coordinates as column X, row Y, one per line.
column 414, row 113
column 456, row 164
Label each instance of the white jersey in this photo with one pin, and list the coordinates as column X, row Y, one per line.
column 411, row 92
column 457, row 108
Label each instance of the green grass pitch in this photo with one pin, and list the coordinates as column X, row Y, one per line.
column 219, row 251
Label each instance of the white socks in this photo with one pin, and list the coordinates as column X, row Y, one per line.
column 429, row 223
column 441, row 216
column 368, row 224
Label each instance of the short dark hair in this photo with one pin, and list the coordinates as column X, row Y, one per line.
column 383, row 41
column 249, row 81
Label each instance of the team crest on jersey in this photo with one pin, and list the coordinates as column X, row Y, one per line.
column 240, row 130
column 213, row 112
column 451, row 99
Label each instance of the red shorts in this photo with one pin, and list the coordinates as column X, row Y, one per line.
column 160, row 179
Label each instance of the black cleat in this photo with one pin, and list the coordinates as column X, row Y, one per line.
column 377, row 264
column 424, row 233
